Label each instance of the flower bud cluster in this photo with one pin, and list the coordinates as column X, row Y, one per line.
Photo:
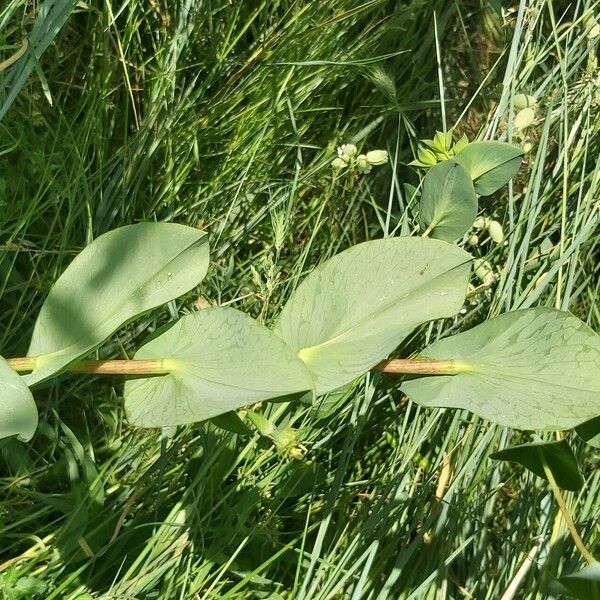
column 348, row 158
column 494, row 229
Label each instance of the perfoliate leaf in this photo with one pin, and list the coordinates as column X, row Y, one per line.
column 530, row 369
column 584, row 584
column 558, row 457
column 355, row 308
column 448, row 204
column 219, row 359
column 490, row 164
column 119, row 276
column 18, row 413
column 590, row 432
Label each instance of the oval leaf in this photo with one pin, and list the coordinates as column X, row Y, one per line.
column 354, row 309
column 584, row 584
column 448, row 203
column 490, row 164
column 18, row 412
column 537, row 368
column 558, row 456
column 220, row 359
column 119, row 276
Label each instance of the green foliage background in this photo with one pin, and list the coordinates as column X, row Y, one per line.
column 226, row 115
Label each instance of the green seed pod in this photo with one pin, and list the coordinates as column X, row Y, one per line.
column 524, row 118
column 426, row 156
column 484, row 271
column 495, row 231
column 461, row 144
column 522, row 101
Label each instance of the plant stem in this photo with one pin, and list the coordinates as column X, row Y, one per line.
column 419, row 366
column 423, row 366
column 101, row 367
column 564, row 509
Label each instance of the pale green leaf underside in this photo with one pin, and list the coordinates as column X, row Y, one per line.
column 18, row 413
column 354, row 309
column 556, row 455
column 584, row 584
column 490, row 164
column 529, row 369
column 220, row 360
column 448, row 204
column 119, row 276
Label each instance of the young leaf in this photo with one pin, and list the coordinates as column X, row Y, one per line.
column 355, row 308
column 537, row 368
column 219, row 359
column 490, row 164
column 590, row 432
column 232, row 422
column 448, row 203
column 584, row 584
column 119, row 276
column 18, row 413
column 558, row 457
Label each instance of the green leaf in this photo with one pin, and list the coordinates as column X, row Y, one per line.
column 18, row 412
column 354, row 309
column 584, row 584
column 122, row 274
column 558, row 456
column 490, row 164
column 232, row 422
column 448, row 204
column 590, row 432
column 537, row 368
column 219, row 359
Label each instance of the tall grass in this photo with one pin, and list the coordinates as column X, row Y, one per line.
column 226, row 115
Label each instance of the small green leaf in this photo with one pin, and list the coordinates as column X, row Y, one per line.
column 232, row 422
column 354, row 309
column 122, row 274
column 558, row 457
column 18, row 412
column 530, row 369
column 584, row 584
column 219, row 359
column 490, row 164
column 448, row 203
column 590, row 432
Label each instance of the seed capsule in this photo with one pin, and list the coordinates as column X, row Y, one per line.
column 522, row 101
column 495, row 231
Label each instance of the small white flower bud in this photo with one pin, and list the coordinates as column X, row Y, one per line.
column 473, row 240
column 337, row 164
column 362, row 164
column 481, row 223
column 347, row 151
column 377, row 157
